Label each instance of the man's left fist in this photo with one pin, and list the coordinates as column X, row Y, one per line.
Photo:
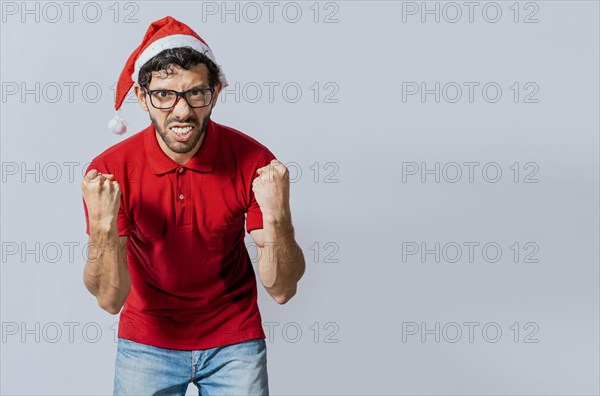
column 272, row 189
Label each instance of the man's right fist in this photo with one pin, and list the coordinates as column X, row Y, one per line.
column 102, row 196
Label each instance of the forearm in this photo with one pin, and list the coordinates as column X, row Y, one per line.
column 281, row 264
column 106, row 275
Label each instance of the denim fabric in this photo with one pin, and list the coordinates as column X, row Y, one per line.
column 237, row 369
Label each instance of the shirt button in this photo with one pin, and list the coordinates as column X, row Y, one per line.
column 180, row 196
column 180, row 170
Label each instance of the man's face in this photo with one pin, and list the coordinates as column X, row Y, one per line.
column 182, row 116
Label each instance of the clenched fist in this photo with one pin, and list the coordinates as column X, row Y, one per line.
column 272, row 189
column 102, row 196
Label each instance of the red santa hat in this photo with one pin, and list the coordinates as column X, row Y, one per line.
column 162, row 34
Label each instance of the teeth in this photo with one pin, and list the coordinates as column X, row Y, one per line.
column 181, row 131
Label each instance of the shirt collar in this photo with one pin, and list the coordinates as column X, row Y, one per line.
column 202, row 161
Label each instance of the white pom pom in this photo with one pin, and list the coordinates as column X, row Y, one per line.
column 117, row 124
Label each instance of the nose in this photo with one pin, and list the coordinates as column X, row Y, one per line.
column 181, row 108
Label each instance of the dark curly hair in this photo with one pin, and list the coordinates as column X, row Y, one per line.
column 184, row 57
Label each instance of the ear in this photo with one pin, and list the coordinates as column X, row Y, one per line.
column 140, row 94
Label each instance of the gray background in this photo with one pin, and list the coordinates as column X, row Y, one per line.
column 353, row 213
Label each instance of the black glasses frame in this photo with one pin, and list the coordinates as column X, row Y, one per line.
column 179, row 94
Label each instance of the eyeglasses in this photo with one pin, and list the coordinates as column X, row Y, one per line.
column 166, row 99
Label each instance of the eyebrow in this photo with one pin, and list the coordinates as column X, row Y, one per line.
column 200, row 86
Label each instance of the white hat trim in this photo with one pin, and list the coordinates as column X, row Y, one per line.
column 174, row 41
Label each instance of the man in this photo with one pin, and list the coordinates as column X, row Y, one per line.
column 165, row 216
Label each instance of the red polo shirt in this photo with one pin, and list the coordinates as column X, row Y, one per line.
column 192, row 281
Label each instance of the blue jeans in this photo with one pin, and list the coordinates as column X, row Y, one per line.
column 237, row 369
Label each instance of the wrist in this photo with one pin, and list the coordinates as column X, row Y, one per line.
column 278, row 218
column 105, row 228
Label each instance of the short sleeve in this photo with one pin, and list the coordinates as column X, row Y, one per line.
column 254, row 217
column 122, row 219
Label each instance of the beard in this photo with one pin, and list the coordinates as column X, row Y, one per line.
column 174, row 145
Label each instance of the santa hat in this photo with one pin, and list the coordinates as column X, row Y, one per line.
column 162, row 34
